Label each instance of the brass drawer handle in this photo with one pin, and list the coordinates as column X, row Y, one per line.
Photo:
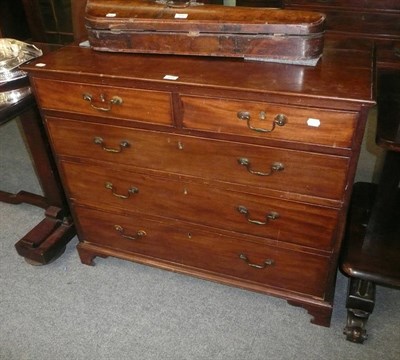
column 267, row 262
column 275, row 167
column 270, row 216
column 139, row 234
column 122, row 145
column 280, row 120
column 396, row 51
column 115, row 100
column 133, row 190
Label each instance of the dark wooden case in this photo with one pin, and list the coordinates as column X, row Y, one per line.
column 192, row 28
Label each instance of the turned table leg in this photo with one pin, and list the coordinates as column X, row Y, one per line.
column 360, row 304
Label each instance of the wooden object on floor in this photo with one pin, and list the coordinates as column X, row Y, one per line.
column 372, row 251
column 371, row 254
column 48, row 239
column 234, row 171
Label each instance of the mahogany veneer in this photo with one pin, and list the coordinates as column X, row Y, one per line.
column 234, row 171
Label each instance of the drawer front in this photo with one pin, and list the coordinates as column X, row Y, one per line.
column 265, row 217
column 269, row 121
column 105, row 101
column 250, row 165
column 187, row 245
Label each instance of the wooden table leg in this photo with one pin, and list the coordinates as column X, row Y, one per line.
column 360, row 304
column 47, row 240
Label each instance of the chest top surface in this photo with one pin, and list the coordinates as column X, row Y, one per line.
column 344, row 73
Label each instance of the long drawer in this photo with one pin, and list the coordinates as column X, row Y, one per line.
column 262, row 167
column 187, row 245
column 105, row 101
column 269, row 121
column 288, row 221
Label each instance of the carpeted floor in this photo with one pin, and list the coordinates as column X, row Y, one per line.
column 121, row 310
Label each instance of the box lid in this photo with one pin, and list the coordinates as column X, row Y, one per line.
column 193, row 16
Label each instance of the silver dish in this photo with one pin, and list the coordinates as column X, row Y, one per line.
column 14, row 53
column 13, row 96
column 7, row 76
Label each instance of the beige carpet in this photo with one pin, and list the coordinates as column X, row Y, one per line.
column 121, row 310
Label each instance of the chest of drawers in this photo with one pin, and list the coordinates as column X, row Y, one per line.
column 232, row 171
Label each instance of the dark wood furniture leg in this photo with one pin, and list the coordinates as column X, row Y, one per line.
column 360, row 304
column 372, row 250
column 45, row 242
column 48, row 239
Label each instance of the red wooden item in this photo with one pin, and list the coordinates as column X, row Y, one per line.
column 191, row 28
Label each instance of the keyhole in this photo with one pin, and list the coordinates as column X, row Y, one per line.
column 262, row 115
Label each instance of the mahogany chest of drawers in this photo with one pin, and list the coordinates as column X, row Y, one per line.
column 234, row 171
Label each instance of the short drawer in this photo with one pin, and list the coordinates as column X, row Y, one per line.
column 185, row 244
column 105, row 101
column 269, row 121
column 265, row 217
column 263, row 167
